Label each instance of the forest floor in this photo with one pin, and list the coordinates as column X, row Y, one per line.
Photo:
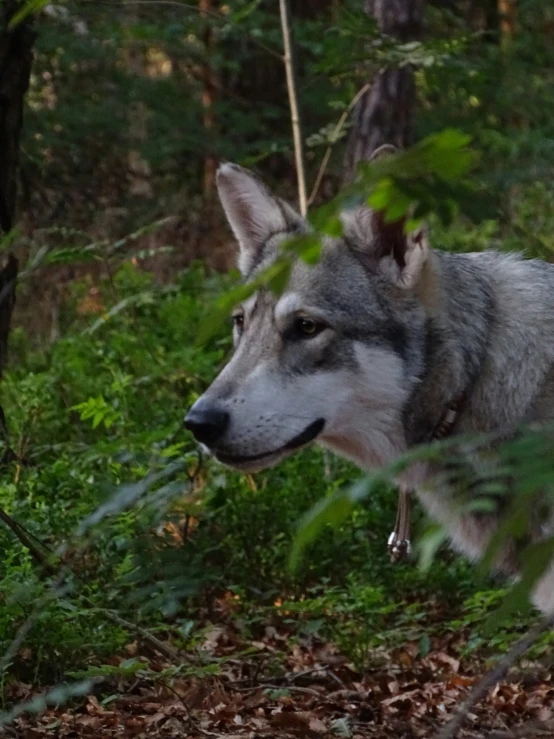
column 284, row 685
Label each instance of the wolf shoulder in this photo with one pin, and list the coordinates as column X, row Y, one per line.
column 516, row 383
column 522, row 289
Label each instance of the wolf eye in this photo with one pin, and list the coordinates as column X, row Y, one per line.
column 308, row 328
column 238, row 321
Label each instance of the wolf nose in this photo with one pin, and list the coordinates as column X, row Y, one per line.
column 207, row 424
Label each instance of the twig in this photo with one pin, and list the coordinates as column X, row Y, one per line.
column 147, row 636
column 24, row 537
column 518, row 650
column 288, row 677
column 294, row 109
column 337, row 679
column 257, row 670
column 269, row 686
column 21, row 533
column 338, row 129
column 535, row 728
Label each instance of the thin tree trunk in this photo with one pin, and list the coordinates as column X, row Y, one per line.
column 208, row 100
column 16, row 57
column 507, row 11
column 385, row 113
column 139, row 171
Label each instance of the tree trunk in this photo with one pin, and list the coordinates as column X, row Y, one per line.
column 507, row 11
column 16, row 58
column 385, row 113
column 139, row 172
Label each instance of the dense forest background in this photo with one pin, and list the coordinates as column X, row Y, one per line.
column 131, row 106
column 146, row 585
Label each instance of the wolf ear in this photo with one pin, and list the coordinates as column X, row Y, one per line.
column 401, row 256
column 253, row 212
column 385, row 246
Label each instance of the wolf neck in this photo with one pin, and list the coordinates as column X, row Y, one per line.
column 458, row 300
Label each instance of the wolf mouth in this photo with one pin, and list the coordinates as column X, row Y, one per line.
column 301, row 439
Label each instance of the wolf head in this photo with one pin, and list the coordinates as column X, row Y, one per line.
column 335, row 357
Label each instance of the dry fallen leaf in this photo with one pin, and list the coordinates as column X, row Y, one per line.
column 317, row 726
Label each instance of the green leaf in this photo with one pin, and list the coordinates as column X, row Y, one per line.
column 332, row 510
column 276, row 693
column 326, row 219
column 340, row 727
column 274, row 277
column 138, row 299
column 429, row 544
column 424, row 645
column 278, row 282
column 535, row 560
column 513, row 525
column 305, row 246
column 59, row 695
column 28, row 8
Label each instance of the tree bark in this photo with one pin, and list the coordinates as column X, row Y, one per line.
column 385, row 113
column 507, row 11
column 16, row 57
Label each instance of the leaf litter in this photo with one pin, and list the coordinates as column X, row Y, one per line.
column 286, row 685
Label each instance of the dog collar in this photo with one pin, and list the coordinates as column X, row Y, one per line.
column 399, row 544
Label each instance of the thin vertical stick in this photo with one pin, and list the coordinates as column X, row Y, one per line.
column 334, row 139
column 294, row 112
column 208, row 99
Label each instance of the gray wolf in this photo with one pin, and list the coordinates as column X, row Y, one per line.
column 363, row 351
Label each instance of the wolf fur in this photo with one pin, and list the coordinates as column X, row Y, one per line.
column 363, row 352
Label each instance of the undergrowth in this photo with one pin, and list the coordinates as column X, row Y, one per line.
column 100, row 409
